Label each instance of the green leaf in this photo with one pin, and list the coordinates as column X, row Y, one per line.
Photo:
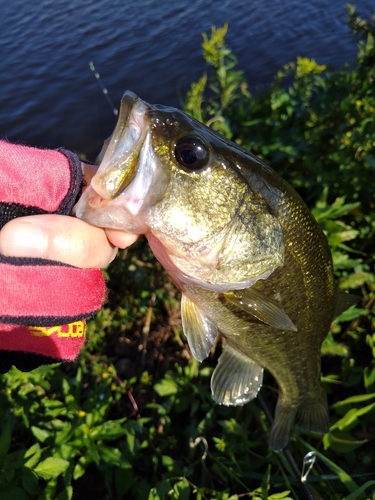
column 334, row 211
column 279, row 496
column 66, row 387
column 369, row 377
column 41, row 434
column 51, row 467
column 341, row 441
column 351, row 314
column 160, row 491
column 167, row 387
column 355, row 494
column 63, row 435
column 355, row 280
column 251, row 123
column 49, row 492
column 30, row 482
column 68, row 451
column 266, row 482
column 92, row 451
column 181, row 490
column 333, row 348
column 67, row 494
column 353, row 399
column 80, row 467
column 351, row 417
column 112, row 429
column 168, row 462
column 110, row 455
column 34, row 453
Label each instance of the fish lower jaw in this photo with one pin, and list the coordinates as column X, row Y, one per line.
column 115, row 218
column 99, row 211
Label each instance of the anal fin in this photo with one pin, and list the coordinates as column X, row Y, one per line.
column 200, row 331
column 236, row 379
column 284, row 418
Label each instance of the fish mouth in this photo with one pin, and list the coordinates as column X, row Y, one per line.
column 121, row 187
column 120, row 162
column 101, row 203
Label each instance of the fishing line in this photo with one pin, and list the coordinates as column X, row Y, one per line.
column 104, row 89
column 301, row 477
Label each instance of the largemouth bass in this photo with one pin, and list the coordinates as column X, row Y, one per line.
column 245, row 251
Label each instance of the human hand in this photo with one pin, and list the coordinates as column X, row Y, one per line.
column 62, row 238
column 44, row 302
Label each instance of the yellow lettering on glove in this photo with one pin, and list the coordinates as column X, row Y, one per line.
column 76, row 329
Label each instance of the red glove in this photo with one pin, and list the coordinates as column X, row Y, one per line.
column 43, row 303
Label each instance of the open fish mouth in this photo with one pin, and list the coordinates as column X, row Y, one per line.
column 120, row 162
column 121, row 187
column 99, row 205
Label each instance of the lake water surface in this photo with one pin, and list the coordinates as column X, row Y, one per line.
column 49, row 97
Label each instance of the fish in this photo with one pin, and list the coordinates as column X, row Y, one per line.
column 246, row 253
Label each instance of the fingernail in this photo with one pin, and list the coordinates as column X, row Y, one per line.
column 21, row 238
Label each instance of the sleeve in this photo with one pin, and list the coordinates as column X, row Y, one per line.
column 43, row 304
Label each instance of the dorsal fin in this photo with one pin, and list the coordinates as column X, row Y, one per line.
column 200, row 331
column 344, row 301
column 236, row 379
column 257, row 304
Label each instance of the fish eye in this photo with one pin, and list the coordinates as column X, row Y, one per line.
column 191, row 152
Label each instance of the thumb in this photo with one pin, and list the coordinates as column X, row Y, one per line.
column 57, row 237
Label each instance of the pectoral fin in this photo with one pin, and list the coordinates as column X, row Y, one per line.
column 200, row 331
column 262, row 307
column 236, row 379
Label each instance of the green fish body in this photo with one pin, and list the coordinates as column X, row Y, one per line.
column 245, row 251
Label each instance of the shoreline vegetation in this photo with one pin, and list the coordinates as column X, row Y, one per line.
column 133, row 418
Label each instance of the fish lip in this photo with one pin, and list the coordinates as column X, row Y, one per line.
column 97, row 211
column 132, row 105
column 114, row 173
column 109, row 200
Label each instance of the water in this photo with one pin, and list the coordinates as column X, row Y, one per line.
column 50, row 98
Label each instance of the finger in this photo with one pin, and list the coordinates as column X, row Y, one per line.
column 121, row 239
column 118, row 238
column 57, row 237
